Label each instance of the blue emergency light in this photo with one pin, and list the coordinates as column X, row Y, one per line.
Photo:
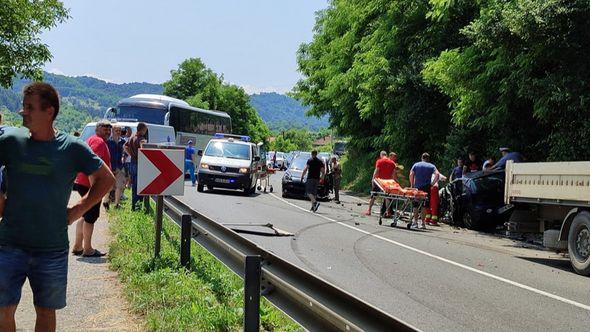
column 244, row 138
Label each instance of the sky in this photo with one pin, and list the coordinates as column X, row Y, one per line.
column 253, row 43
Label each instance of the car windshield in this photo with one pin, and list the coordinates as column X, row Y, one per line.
column 489, row 183
column 298, row 163
column 228, row 150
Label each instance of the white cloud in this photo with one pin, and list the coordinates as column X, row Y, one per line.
column 108, row 80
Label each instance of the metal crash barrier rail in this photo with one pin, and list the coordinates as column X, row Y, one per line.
column 314, row 303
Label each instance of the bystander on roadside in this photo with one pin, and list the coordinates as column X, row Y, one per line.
column 41, row 163
column 85, row 226
column 115, row 144
column 132, row 148
column 337, row 177
column 189, row 161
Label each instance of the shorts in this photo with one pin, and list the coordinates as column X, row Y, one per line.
column 311, row 186
column 120, row 178
column 47, row 273
column 374, row 188
column 426, row 189
column 91, row 216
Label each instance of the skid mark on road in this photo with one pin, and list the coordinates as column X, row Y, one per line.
column 448, row 261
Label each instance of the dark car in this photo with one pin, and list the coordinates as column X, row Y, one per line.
column 475, row 201
column 292, row 184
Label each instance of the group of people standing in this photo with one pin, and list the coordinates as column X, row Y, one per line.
column 474, row 164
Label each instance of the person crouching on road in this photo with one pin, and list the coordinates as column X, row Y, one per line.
column 315, row 168
column 421, row 178
column 41, row 163
column 189, row 161
column 85, row 226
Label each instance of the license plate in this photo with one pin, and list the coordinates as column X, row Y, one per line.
column 222, row 180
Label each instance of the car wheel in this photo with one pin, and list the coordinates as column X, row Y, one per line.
column 470, row 222
column 200, row 187
column 578, row 243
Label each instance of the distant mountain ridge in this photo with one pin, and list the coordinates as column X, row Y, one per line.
column 283, row 112
column 93, row 96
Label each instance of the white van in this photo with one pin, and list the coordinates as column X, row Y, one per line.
column 156, row 133
column 229, row 161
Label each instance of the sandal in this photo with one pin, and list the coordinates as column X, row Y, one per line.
column 77, row 252
column 96, row 253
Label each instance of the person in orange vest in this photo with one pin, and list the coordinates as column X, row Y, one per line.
column 432, row 212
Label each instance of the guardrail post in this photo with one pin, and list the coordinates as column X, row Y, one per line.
column 185, row 240
column 252, row 275
column 159, row 214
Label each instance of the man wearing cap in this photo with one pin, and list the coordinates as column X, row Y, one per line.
column 189, row 161
column 507, row 155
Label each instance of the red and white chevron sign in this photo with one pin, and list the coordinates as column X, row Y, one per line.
column 160, row 172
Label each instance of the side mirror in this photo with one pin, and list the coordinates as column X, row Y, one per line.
column 200, row 153
column 257, row 158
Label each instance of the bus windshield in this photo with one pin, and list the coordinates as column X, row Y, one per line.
column 228, row 150
column 145, row 114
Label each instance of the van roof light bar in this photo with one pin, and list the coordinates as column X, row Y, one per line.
column 244, row 138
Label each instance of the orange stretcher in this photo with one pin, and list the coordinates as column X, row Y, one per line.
column 399, row 200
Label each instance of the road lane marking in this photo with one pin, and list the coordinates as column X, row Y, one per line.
column 442, row 259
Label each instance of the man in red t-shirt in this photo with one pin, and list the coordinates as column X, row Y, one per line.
column 85, row 226
column 384, row 169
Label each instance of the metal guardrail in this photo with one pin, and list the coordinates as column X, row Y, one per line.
column 314, row 303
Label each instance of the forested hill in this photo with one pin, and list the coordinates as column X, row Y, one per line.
column 88, row 97
column 85, row 93
column 283, row 112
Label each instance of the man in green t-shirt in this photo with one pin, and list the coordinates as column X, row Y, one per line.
column 41, row 165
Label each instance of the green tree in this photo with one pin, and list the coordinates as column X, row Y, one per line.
column 201, row 87
column 522, row 79
column 364, row 69
column 21, row 49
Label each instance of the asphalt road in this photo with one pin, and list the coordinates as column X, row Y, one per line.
column 440, row 279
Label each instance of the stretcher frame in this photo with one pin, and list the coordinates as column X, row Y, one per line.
column 264, row 179
column 400, row 205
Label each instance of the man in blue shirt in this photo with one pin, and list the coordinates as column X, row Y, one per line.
column 507, row 155
column 422, row 175
column 457, row 171
column 189, row 161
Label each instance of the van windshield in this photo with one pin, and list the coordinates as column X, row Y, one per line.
column 228, row 150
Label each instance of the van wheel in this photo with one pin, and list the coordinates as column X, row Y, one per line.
column 470, row 222
column 578, row 243
column 200, row 187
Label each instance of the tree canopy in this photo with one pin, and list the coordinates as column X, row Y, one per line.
column 21, row 50
column 450, row 76
column 201, row 87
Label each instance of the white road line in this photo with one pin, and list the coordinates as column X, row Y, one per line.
column 483, row 273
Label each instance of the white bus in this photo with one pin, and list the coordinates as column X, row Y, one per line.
column 189, row 123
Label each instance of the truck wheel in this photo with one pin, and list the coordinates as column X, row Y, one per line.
column 200, row 187
column 578, row 243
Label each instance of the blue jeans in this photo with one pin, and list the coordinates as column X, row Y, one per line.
column 190, row 167
column 47, row 273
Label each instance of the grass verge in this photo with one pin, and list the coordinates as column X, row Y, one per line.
column 205, row 297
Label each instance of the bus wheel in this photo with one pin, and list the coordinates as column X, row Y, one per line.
column 200, row 187
column 578, row 243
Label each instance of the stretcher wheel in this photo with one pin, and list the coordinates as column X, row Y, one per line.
column 264, row 189
column 393, row 224
column 409, row 225
column 270, row 188
column 260, row 188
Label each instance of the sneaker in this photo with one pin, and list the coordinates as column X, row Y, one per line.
column 317, row 205
column 194, row 184
column 106, row 205
column 414, row 225
column 337, row 202
column 421, row 224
